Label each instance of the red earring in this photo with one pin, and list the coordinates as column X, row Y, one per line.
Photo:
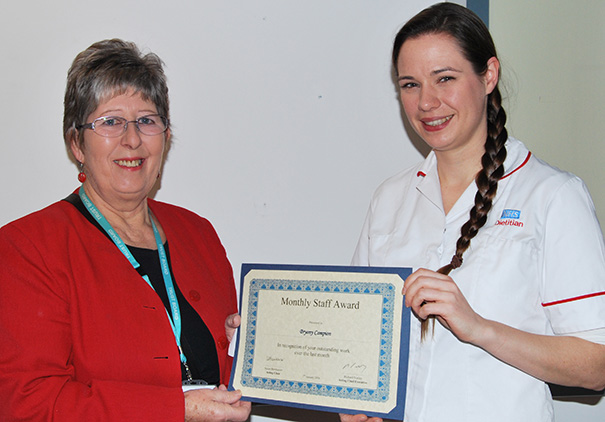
column 82, row 175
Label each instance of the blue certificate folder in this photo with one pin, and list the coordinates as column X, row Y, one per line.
column 382, row 389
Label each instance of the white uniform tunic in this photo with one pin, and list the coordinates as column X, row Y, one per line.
column 538, row 265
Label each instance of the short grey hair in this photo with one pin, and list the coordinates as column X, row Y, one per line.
column 106, row 69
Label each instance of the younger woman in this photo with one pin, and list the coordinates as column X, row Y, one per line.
column 508, row 252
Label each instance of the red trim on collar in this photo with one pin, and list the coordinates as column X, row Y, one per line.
column 522, row 164
column 573, row 299
column 423, row 174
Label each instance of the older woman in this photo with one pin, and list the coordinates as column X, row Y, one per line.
column 109, row 300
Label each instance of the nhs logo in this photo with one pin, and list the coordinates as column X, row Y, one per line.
column 514, row 214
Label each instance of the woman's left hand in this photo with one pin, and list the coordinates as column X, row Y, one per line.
column 430, row 293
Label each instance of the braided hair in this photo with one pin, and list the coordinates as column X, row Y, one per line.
column 477, row 45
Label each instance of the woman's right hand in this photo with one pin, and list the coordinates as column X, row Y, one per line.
column 431, row 293
column 357, row 418
column 217, row 405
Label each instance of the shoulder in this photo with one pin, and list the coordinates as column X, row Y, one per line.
column 544, row 173
column 550, row 198
column 49, row 218
column 48, row 238
column 520, row 158
column 165, row 211
column 181, row 221
column 536, row 175
column 194, row 243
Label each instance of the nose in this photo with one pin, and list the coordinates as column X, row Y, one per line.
column 429, row 99
column 131, row 138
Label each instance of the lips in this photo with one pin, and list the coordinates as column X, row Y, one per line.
column 129, row 163
column 436, row 124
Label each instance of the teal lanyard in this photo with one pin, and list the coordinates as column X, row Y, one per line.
column 175, row 321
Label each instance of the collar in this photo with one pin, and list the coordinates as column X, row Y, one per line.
column 517, row 156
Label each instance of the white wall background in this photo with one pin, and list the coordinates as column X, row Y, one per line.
column 284, row 114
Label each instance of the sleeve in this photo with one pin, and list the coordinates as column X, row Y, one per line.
column 574, row 261
column 37, row 380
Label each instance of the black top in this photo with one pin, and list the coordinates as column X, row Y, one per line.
column 196, row 340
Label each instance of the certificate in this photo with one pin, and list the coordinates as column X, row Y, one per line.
column 323, row 337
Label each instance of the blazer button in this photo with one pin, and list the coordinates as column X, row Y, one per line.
column 194, row 295
column 223, row 343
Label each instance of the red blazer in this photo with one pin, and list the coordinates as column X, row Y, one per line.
column 82, row 335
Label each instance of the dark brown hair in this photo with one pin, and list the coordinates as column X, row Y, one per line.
column 476, row 43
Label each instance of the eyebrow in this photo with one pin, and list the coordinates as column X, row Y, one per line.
column 445, row 69
column 433, row 73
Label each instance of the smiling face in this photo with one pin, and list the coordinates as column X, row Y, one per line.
column 442, row 96
column 123, row 168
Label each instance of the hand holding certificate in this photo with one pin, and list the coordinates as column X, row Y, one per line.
column 327, row 338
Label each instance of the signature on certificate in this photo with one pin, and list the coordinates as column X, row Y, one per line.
column 354, row 367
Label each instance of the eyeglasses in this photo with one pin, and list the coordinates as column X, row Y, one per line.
column 112, row 126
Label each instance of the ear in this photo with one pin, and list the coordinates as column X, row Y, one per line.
column 76, row 150
column 492, row 75
column 167, row 140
